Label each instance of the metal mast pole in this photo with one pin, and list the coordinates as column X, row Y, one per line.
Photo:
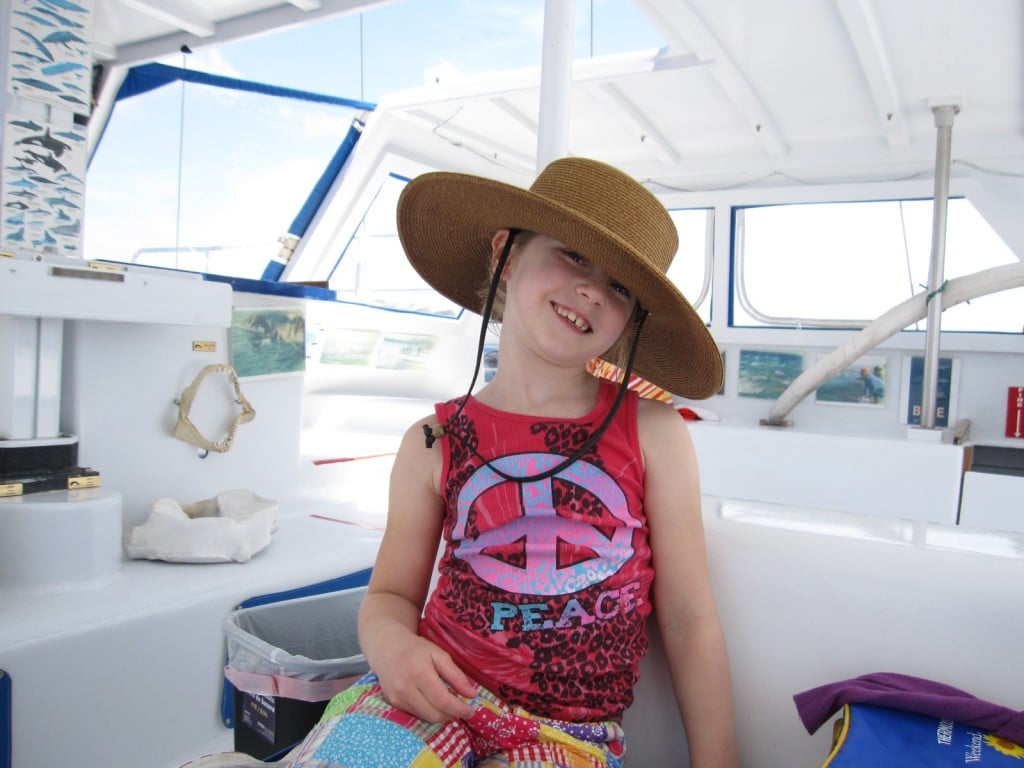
column 944, row 116
column 555, row 81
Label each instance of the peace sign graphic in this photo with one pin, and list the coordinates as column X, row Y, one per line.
column 541, row 533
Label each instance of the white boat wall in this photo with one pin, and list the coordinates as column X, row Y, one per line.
column 843, row 537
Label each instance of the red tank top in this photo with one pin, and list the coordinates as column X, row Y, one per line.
column 544, row 586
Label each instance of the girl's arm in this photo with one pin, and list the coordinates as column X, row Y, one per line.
column 683, row 602
column 416, row 675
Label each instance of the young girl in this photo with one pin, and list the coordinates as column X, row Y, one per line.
column 567, row 507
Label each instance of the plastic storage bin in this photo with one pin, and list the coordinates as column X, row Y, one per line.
column 286, row 660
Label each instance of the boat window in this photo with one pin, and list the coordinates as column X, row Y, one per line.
column 691, row 268
column 844, row 264
column 373, row 269
column 205, row 179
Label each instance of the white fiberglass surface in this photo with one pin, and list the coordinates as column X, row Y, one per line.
column 865, row 527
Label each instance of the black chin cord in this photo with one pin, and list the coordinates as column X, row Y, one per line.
column 432, row 433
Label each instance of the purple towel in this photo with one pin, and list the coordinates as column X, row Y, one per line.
column 911, row 694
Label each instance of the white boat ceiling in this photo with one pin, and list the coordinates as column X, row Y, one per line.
column 746, row 92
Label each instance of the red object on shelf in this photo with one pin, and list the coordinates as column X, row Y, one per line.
column 1015, row 412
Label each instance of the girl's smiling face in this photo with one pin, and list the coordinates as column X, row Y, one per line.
column 563, row 296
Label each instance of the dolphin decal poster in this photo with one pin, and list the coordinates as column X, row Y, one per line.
column 49, row 58
column 43, row 193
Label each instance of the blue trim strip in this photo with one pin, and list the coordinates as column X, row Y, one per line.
column 273, row 271
column 6, row 734
column 273, row 288
column 148, row 77
column 338, row 583
column 348, row 581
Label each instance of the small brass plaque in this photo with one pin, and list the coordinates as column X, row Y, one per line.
column 88, row 481
column 106, row 266
column 11, row 489
column 204, row 346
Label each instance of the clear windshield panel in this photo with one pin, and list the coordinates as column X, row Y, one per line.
column 372, row 268
column 844, row 264
column 205, row 179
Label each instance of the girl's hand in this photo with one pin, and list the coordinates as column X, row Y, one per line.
column 420, row 678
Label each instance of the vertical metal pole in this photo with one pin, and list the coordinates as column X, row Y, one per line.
column 555, row 81
column 944, row 116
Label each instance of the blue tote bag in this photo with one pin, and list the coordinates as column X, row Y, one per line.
column 869, row 736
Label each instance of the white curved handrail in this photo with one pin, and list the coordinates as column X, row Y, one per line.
column 957, row 290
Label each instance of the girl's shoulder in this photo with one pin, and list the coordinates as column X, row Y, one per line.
column 661, row 427
column 419, row 458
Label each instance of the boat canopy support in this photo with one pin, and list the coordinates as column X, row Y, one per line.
column 944, row 116
column 912, row 310
column 555, row 82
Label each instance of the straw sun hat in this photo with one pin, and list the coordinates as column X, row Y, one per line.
column 446, row 221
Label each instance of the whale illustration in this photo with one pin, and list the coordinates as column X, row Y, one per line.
column 46, row 141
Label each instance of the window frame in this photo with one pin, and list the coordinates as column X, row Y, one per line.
column 738, row 291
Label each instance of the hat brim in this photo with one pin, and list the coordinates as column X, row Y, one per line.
column 446, row 222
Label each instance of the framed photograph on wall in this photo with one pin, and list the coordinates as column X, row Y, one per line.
column 405, row 351
column 268, row 340
column 765, row 374
column 864, row 382
column 350, row 346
